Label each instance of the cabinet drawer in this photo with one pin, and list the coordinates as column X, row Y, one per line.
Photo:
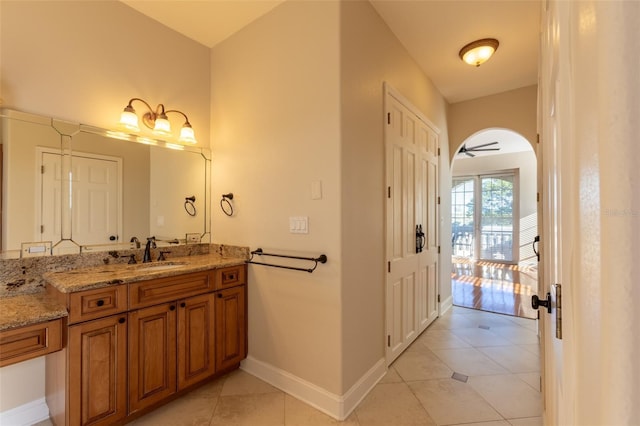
column 230, row 276
column 146, row 293
column 20, row 344
column 92, row 304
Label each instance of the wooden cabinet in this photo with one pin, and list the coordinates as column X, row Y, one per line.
column 22, row 343
column 132, row 346
column 97, row 354
column 152, row 355
column 196, row 350
column 231, row 317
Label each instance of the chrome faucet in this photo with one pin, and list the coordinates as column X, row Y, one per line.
column 151, row 243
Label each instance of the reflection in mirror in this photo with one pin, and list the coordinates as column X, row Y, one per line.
column 111, row 189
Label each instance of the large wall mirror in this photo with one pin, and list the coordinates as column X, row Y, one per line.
column 83, row 188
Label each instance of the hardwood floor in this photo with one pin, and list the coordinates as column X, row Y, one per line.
column 494, row 287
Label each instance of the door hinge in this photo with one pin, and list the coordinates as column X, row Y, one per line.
column 42, row 229
column 388, row 340
column 438, row 200
column 41, row 169
column 388, row 118
column 389, row 267
column 438, row 152
column 538, row 138
column 388, row 192
column 438, row 249
column 537, row 197
column 438, row 298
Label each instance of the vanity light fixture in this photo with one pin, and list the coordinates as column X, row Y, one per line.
column 478, row 52
column 156, row 120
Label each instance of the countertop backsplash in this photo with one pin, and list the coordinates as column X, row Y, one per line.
column 24, row 276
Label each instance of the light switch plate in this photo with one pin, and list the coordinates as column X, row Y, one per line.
column 316, row 190
column 299, row 224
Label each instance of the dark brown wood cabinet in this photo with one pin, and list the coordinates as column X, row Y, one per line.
column 231, row 314
column 97, row 353
column 131, row 347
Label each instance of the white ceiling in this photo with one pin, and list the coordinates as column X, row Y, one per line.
column 432, row 31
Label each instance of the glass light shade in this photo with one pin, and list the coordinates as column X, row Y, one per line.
column 162, row 126
column 187, row 135
column 129, row 120
column 479, row 51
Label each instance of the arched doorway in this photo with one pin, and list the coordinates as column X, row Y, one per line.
column 494, row 223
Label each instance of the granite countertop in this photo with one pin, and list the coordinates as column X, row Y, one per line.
column 28, row 309
column 106, row 275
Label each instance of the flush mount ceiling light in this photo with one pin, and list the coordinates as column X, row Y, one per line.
column 479, row 51
column 156, row 120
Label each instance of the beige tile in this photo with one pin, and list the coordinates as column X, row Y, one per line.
column 46, row 422
column 449, row 402
column 516, row 334
column 181, row 412
column 448, row 322
column 513, row 358
column 265, row 409
column 493, row 423
column 240, row 383
column 438, row 339
column 392, row 376
column 470, row 362
column 532, row 379
column 509, row 395
column 297, row 413
column 529, row 421
column 392, row 404
column 480, row 337
column 209, row 390
column 534, row 349
column 421, row 365
column 490, row 319
column 530, row 324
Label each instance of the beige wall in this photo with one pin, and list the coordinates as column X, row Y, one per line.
column 276, row 130
column 370, row 55
column 514, row 110
column 82, row 61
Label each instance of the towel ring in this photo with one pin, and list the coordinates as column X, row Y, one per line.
column 225, row 204
column 189, row 207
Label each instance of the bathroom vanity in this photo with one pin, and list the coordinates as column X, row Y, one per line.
column 139, row 335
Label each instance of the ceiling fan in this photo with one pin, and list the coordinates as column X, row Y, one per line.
column 469, row 151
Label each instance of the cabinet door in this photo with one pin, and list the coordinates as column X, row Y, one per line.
column 152, row 355
column 196, row 356
column 231, row 320
column 98, row 371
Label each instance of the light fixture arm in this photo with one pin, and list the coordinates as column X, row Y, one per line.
column 156, row 120
column 186, row 119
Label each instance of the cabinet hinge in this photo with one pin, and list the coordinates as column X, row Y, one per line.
column 388, row 118
column 389, row 267
column 438, row 298
column 388, row 192
column 388, row 340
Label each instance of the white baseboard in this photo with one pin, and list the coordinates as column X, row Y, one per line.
column 336, row 406
column 26, row 414
column 446, row 304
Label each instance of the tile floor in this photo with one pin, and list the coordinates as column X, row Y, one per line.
column 495, row 359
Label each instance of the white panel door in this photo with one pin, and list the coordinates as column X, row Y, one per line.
column 95, row 200
column 411, row 158
column 51, row 197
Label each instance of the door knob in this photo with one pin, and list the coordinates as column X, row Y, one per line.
column 536, row 302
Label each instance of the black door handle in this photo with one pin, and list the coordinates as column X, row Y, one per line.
column 536, row 302
column 536, row 240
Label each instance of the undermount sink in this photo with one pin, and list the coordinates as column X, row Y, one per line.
column 158, row 266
